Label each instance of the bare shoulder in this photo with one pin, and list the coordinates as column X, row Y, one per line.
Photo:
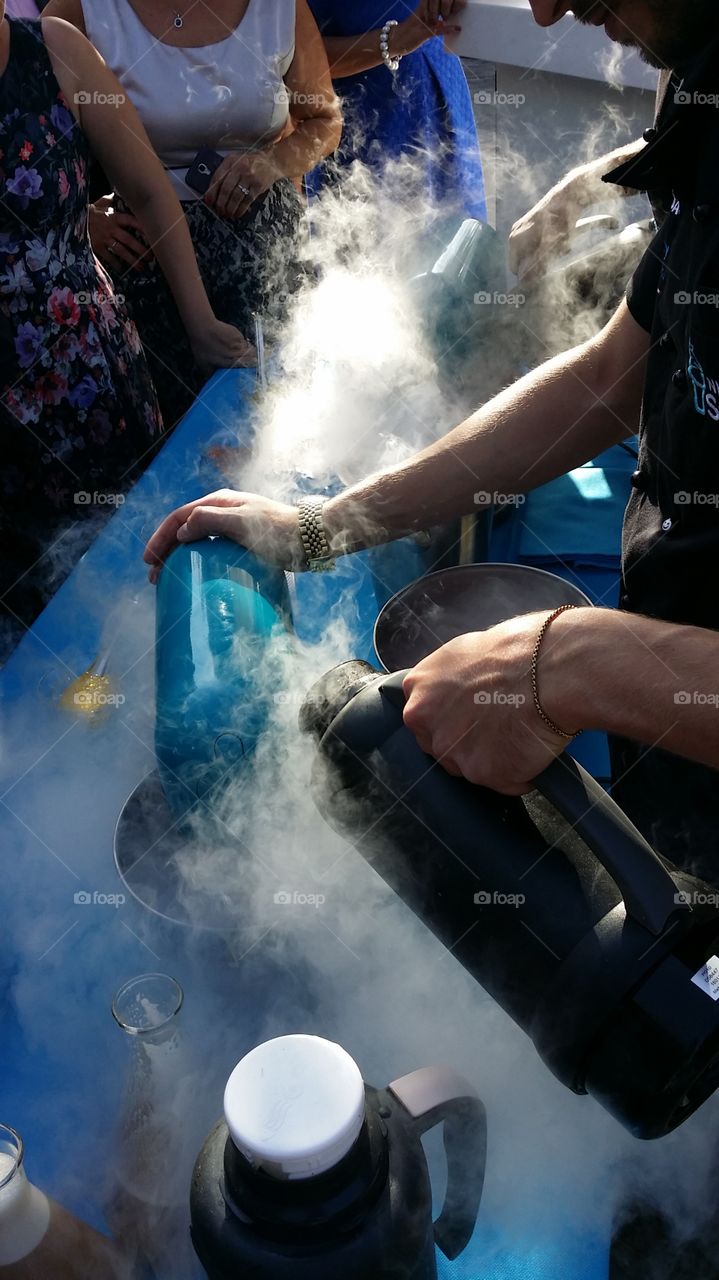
column 73, row 59
column 70, row 10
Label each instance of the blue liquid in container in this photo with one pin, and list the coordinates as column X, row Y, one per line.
column 221, row 614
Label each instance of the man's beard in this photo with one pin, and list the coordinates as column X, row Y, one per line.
column 681, row 28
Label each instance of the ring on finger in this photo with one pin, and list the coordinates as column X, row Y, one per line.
column 244, row 190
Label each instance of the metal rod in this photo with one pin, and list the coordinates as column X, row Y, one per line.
column 260, row 349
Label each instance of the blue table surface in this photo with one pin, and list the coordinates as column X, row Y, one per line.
column 62, row 785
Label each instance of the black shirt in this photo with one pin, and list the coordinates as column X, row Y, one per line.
column 671, row 528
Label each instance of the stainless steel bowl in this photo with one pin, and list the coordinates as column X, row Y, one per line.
column 473, row 597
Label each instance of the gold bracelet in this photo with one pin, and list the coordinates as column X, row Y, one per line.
column 533, row 673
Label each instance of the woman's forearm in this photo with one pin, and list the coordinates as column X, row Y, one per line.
column 165, row 228
column 348, row 55
column 312, row 140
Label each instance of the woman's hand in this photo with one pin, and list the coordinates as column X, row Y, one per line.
column 470, row 704
column 222, row 346
column 112, row 237
column 240, row 179
column 430, row 18
column 269, row 528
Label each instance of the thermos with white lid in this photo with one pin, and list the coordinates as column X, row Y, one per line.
column 313, row 1174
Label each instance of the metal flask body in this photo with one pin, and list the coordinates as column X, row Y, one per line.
column 367, row 1218
column 221, row 617
column 606, row 955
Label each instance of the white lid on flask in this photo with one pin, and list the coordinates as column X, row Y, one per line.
column 295, row 1106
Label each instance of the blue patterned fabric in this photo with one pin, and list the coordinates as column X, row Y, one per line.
column 423, row 109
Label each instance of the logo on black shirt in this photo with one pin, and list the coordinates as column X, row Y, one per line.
column 706, row 390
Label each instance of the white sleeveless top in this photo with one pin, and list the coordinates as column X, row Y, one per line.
column 229, row 96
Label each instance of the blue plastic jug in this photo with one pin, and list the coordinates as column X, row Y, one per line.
column 221, row 616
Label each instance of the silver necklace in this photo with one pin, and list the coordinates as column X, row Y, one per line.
column 179, row 20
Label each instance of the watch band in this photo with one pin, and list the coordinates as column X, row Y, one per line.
column 318, row 552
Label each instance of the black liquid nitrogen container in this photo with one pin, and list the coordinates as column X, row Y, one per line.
column 313, row 1175
column 607, row 956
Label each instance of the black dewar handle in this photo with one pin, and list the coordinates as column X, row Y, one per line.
column 651, row 896
column 439, row 1095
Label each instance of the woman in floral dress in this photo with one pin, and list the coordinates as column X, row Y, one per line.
column 78, row 413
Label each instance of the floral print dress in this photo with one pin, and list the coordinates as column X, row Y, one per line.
column 78, row 413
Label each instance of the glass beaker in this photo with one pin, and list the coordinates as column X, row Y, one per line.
column 148, row 1208
column 38, row 1238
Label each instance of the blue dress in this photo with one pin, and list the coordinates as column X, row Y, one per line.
column 424, row 108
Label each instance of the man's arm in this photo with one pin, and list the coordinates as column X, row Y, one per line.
column 471, row 704
column 557, row 417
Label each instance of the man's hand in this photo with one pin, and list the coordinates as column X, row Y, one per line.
column 269, row 528
column 470, row 706
column 545, row 231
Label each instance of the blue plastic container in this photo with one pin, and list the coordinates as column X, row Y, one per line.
column 221, row 614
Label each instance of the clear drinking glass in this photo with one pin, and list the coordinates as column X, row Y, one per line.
column 149, row 1203
column 39, row 1240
